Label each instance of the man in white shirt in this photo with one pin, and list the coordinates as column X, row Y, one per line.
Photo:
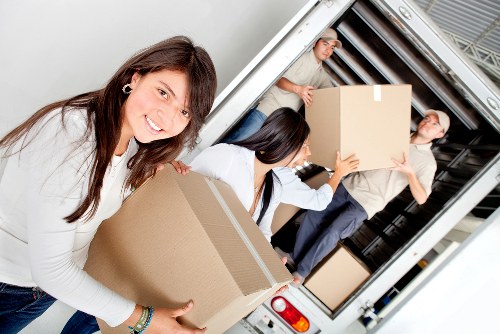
column 361, row 195
column 292, row 90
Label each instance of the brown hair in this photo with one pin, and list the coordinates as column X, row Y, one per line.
column 282, row 134
column 104, row 107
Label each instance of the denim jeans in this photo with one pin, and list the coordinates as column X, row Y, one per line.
column 19, row 306
column 320, row 231
column 81, row 323
column 247, row 126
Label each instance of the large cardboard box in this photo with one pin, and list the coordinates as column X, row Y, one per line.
column 337, row 277
column 186, row 237
column 284, row 212
column 371, row 121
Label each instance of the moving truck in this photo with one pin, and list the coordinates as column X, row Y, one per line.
column 386, row 42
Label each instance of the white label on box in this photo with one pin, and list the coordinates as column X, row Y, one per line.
column 377, row 93
column 241, row 233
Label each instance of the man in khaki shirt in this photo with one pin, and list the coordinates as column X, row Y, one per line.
column 293, row 89
column 361, row 195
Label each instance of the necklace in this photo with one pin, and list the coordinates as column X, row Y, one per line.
column 256, row 197
column 257, row 188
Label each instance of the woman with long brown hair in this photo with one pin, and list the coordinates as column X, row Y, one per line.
column 259, row 168
column 69, row 167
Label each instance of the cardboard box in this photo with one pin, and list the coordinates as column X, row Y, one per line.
column 337, row 277
column 186, row 237
column 371, row 121
column 284, row 212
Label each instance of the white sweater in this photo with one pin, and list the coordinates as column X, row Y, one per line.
column 42, row 185
column 234, row 165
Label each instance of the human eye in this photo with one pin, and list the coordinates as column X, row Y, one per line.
column 164, row 93
column 185, row 113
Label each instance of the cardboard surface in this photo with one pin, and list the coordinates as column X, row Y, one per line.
column 284, row 212
column 371, row 121
column 186, row 237
column 337, row 277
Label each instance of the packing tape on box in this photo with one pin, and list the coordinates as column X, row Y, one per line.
column 377, row 93
column 240, row 232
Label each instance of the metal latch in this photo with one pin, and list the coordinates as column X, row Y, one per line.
column 368, row 311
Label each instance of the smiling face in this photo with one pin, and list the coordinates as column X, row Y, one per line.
column 323, row 49
column 156, row 107
column 301, row 157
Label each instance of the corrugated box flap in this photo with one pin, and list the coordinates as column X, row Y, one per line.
column 231, row 229
column 255, row 236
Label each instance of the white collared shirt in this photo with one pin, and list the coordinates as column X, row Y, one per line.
column 234, row 165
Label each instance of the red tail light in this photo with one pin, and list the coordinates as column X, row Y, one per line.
column 290, row 314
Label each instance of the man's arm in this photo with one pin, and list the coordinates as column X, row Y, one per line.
column 305, row 92
column 416, row 187
column 417, row 190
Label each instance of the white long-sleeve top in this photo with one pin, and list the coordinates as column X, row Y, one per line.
column 40, row 186
column 234, row 165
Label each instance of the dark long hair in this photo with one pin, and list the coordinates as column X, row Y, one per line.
column 282, row 134
column 104, row 106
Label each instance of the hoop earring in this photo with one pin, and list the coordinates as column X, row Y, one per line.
column 126, row 89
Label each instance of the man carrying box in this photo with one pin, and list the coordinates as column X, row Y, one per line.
column 293, row 89
column 361, row 195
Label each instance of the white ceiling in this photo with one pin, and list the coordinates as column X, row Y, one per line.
column 474, row 25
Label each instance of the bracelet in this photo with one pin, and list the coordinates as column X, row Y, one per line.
column 143, row 322
column 150, row 317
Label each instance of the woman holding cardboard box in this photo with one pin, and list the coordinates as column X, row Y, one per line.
column 259, row 168
column 69, row 167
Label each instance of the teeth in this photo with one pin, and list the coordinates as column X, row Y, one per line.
column 152, row 124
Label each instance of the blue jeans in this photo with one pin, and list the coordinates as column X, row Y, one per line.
column 81, row 323
column 19, row 306
column 320, row 231
column 249, row 124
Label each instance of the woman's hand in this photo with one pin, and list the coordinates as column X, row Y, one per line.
column 180, row 167
column 346, row 166
column 164, row 321
column 342, row 168
column 285, row 287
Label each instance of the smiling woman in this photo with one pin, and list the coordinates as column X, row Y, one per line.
column 72, row 164
column 156, row 107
